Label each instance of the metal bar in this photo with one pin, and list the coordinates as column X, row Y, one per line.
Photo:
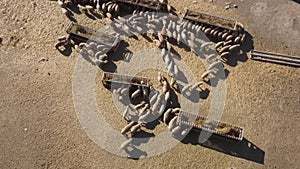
column 199, row 123
column 275, row 58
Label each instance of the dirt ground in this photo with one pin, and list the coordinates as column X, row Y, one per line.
column 39, row 127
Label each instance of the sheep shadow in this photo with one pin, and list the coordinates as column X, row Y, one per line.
column 121, row 53
column 243, row 149
column 139, row 138
column 297, row 1
column 64, row 49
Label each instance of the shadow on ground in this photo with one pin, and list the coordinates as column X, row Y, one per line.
column 244, row 149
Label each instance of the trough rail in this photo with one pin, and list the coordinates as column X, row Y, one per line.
column 275, row 58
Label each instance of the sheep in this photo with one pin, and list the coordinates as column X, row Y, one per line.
column 138, row 106
column 101, row 63
column 227, row 43
column 168, row 46
column 240, row 25
column 169, row 8
column 126, row 144
column 160, row 77
column 215, row 64
column 91, row 53
column 82, row 45
column 82, row 9
column 173, row 82
column 124, row 91
column 161, row 108
column 167, row 59
column 220, row 34
column 65, row 11
column 125, row 113
column 156, row 105
column 176, row 110
column 215, row 34
column 198, row 31
column 166, row 87
column 143, row 117
column 170, row 68
column 207, row 31
column 207, row 74
column 89, row 8
column 224, row 130
column 224, row 55
column 225, row 35
column 172, row 123
column 197, row 85
column 176, row 130
column 160, row 37
column 229, row 37
column 176, row 71
column 145, row 91
column 208, row 124
column 205, row 45
column 167, row 96
column 158, row 43
column 185, row 88
column 99, row 55
column 183, row 36
column 109, row 15
column 154, row 98
column 100, row 47
column 211, row 57
column 237, row 40
column 192, row 36
column 143, row 110
column 167, row 115
column 135, row 128
column 174, row 35
column 192, row 45
column 98, row 6
column 163, row 31
column 61, row 4
column 234, row 47
column 169, row 33
column 224, row 49
column 128, row 127
column 243, row 38
column 136, row 93
column 110, row 7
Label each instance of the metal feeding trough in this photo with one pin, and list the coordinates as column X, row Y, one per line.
column 275, row 58
column 125, row 79
column 147, row 4
column 221, row 129
column 84, row 34
column 207, row 19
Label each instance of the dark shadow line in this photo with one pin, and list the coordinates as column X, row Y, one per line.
column 244, row 149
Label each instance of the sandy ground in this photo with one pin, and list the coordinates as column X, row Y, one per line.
column 39, row 127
